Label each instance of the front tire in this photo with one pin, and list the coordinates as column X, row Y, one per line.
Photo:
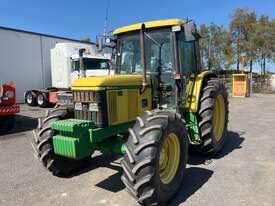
column 43, row 146
column 155, row 157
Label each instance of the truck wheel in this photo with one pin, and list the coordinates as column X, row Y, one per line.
column 213, row 117
column 155, row 157
column 31, row 98
column 43, row 146
column 7, row 123
column 42, row 100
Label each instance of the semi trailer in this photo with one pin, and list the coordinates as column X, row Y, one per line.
column 69, row 61
column 7, row 107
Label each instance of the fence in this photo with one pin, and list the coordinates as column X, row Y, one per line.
column 260, row 83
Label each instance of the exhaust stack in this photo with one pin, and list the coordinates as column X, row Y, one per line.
column 81, row 65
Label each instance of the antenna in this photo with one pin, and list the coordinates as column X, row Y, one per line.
column 106, row 19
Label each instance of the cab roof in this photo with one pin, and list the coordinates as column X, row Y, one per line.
column 149, row 24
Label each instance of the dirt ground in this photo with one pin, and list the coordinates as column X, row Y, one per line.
column 242, row 174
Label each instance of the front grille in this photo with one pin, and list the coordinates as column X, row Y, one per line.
column 97, row 112
column 65, row 98
column 87, row 96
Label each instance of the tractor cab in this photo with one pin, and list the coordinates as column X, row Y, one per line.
column 165, row 50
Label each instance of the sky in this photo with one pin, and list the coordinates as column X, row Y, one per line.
column 85, row 18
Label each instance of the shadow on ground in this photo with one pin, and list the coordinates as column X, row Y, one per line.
column 233, row 142
column 22, row 124
column 194, row 179
column 111, row 183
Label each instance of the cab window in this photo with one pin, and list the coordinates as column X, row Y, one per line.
column 187, row 56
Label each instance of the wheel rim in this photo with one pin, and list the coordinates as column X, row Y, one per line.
column 29, row 98
column 169, row 158
column 40, row 99
column 218, row 118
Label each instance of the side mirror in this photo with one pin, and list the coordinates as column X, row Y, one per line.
column 110, row 41
column 99, row 43
column 191, row 32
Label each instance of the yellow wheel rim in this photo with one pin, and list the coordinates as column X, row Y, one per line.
column 218, row 118
column 169, row 158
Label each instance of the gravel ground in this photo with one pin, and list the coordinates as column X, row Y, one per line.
column 242, row 174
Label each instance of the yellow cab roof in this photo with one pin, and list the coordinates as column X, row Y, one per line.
column 149, row 24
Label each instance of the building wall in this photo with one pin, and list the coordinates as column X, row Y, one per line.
column 25, row 59
column 20, row 61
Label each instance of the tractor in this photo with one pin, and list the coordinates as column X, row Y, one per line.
column 157, row 106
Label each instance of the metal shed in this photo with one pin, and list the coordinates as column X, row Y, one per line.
column 25, row 58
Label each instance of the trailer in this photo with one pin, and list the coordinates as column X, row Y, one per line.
column 7, row 107
column 69, row 61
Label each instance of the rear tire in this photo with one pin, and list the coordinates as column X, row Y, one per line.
column 149, row 176
column 43, row 146
column 213, row 93
column 31, row 98
column 42, row 100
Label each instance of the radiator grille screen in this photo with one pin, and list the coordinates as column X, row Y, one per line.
column 91, row 105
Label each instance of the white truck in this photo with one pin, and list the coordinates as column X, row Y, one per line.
column 69, row 61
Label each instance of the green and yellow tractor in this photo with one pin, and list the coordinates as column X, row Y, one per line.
column 159, row 104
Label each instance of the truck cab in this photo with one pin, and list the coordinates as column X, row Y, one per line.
column 67, row 66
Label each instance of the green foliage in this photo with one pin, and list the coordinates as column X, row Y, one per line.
column 247, row 36
column 216, row 50
column 87, row 40
column 242, row 28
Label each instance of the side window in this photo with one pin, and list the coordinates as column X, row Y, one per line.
column 104, row 65
column 187, row 55
column 129, row 55
column 75, row 64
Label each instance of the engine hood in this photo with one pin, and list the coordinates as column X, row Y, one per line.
column 113, row 81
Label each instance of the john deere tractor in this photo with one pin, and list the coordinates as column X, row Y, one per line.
column 157, row 105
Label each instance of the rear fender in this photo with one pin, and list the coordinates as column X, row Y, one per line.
column 194, row 87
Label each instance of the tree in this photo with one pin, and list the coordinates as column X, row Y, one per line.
column 205, row 46
column 242, row 28
column 216, row 50
column 265, row 42
column 87, row 40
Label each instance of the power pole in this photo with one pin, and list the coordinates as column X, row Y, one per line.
column 106, row 19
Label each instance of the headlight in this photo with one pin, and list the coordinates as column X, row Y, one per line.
column 93, row 107
column 78, row 106
column 9, row 94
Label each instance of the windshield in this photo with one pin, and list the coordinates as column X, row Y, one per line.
column 129, row 60
column 91, row 64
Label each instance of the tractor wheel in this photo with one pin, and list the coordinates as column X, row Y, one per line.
column 31, row 98
column 155, row 157
column 43, row 146
column 42, row 100
column 213, row 117
column 7, row 123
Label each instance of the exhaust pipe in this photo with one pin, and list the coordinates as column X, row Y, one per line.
column 81, row 65
column 142, row 55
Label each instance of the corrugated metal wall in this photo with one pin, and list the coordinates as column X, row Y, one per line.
column 25, row 59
